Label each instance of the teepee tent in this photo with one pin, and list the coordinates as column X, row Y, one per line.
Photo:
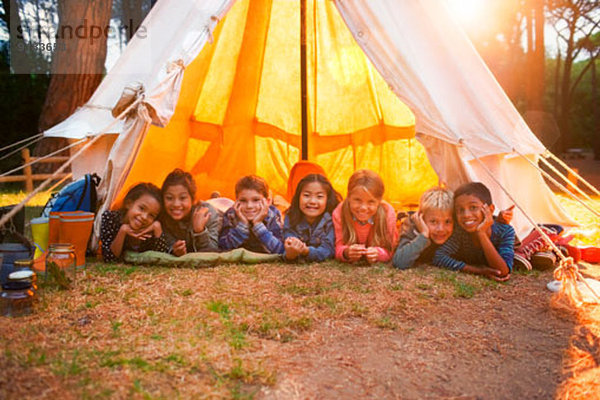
column 392, row 86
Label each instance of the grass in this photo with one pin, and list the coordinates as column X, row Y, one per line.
column 152, row 324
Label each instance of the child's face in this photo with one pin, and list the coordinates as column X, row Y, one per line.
column 178, row 202
column 142, row 212
column 469, row 212
column 250, row 202
column 363, row 205
column 313, row 200
column 440, row 225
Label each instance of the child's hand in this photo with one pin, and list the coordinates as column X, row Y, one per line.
column 156, row 229
column 371, row 254
column 262, row 213
column 140, row 235
column 200, row 218
column 506, row 216
column 355, row 251
column 238, row 211
column 293, row 248
column 290, row 250
column 179, row 248
column 495, row 274
column 488, row 219
column 417, row 219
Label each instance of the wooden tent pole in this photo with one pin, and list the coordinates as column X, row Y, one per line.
column 303, row 80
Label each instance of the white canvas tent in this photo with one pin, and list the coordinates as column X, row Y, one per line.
column 222, row 99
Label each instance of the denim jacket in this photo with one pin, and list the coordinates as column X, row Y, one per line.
column 319, row 238
column 264, row 237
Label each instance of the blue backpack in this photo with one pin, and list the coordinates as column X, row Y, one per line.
column 76, row 196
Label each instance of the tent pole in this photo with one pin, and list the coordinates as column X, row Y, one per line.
column 303, row 80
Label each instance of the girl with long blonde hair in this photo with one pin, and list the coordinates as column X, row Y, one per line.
column 365, row 225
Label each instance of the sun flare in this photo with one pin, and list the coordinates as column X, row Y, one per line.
column 466, row 11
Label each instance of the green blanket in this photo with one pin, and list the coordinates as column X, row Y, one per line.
column 195, row 260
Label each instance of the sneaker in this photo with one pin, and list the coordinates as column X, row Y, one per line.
column 533, row 243
column 521, row 262
column 543, row 260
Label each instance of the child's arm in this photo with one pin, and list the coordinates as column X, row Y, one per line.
column 291, row 242
column 109, row 229
column 409, row 249
column 268, row 231
column 444, row 255
column 208, row 238
column 232, row 236
column 327, row 248
column 340, row 246
column 158, row 241
column 492, row 255
column 500, row 253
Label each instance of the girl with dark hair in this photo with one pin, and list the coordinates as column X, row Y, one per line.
column 188, row 227
column 308, row 229
column 134, row 225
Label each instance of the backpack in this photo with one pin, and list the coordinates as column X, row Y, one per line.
column 76, row 196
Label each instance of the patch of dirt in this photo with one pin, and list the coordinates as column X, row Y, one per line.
column 503, row 344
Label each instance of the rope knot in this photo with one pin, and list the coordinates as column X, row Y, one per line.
column 175, row 64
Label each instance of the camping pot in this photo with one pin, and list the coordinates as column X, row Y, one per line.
column 11, row 252
column 60, row 265
column 16, row 299
column 24, row 273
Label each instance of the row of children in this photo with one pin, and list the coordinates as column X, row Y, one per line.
column 318, row 224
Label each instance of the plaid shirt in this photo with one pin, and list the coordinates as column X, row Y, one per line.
column 264, row 237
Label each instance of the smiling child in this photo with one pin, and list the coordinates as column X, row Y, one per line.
column 478, row 245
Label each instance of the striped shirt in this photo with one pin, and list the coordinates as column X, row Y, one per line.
column 460, row 249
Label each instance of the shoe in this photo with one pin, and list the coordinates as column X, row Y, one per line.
column 534, row 242
column 521, row 262
column 543, row 260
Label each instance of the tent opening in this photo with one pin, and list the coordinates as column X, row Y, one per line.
column 239, row 110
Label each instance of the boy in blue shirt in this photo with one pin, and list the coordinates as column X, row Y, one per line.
column 478, row 245
column 252, row 223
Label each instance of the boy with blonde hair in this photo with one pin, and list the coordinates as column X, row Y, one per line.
column 424, row 231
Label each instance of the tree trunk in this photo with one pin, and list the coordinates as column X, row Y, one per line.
column 131, row 16
column 77, row 64
column 539, row 61
column 535, row 56
column 565, row 101
column 596, row 114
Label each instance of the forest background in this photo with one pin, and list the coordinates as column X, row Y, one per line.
column 544, row 53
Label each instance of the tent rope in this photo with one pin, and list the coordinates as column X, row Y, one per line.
column 38, row 159
column 30, row 140
column 21, row 141
column 567, row 268
column 19, row 206
column 62, row 180
column 568, row 181
column 549, row 154
column 97, row 136
column 561, row 186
